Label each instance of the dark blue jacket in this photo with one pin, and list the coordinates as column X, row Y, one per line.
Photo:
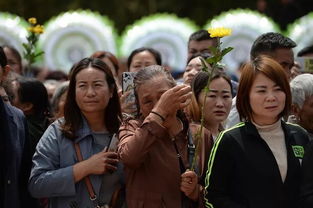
column 17, row 159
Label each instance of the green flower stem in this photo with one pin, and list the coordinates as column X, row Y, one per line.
column 200, row 130
column 217, row 55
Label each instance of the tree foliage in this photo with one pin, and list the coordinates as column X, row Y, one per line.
column 125, row 12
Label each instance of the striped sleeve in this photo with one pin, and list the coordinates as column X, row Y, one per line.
column 219, row 168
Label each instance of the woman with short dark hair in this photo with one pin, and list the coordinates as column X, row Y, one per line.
column 257, row 162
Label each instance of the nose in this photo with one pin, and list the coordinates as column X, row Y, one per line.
column 219, row 103
column 90, row 91
column 192, row 72
column 271, row 97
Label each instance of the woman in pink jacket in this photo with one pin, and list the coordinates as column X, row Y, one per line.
column 154, row 147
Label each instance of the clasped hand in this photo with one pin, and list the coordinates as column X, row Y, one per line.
column 102, row 162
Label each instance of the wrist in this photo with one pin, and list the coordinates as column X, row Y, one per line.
column 160, row 113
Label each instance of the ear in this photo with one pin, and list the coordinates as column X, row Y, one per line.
column 295, row 110
column 27, row 108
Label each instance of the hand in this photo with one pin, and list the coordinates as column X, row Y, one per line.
column 173, row 99
column 127, row 107
column 102, row 162
column 189, row 184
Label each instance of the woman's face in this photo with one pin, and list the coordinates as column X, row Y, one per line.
column 306, row 114
column 193, row 67
column 217, row 103
column 13, row 62
column 141, row 60
column 150, row 92
column 267, row 100
column 92, row 91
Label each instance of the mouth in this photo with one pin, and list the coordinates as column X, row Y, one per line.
column 91, row 102
column 271, row 107
column 220, row 113
column 188, row 81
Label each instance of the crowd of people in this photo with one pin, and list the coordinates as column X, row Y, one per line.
column 202, row 140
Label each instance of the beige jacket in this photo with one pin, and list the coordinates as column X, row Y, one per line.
column 152, row 168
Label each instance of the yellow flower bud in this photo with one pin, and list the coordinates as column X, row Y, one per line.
column 219, row 32
column 38, row 29
column 32, row 20
column 30, row 29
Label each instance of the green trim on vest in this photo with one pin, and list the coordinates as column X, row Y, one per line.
column 212, row 157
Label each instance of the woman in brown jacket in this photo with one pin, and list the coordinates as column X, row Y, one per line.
column 154, row 147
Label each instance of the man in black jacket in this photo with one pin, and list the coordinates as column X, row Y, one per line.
column 15, row 158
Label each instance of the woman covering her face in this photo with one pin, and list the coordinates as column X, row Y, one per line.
column 154, row 146
column 257, row 162
column 91, row 117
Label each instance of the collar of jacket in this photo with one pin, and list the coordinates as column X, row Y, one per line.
column 84, row 131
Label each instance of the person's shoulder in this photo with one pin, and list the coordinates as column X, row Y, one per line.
column 54, row 130
column 132, row 121
column 235, row 129
column 294, row 128
column 232, row 135
column 195, row 128
column 13, row 111
column 299, row 133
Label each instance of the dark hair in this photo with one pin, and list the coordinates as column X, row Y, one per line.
column 15, row 53
column 57, row 75
column 3, row 58
column 305, row 51
column 267, row 43
column 72, row 113
column 154, row 52
column 272, row 70
column 203, row 55
column 201, row 80
column 200, row 35
column 33, row 91
column 106, row 54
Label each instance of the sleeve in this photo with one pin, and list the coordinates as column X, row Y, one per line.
column 47, row 179
column 219, row 178
column 136, row 140
column 306, row 190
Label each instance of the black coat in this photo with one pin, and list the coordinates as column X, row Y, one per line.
column 306, row 191
column 243, row 172
column 15, row 159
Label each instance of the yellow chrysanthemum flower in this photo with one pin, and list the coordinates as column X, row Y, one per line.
column 32, row 20
column 38, row 29
column 219, row 32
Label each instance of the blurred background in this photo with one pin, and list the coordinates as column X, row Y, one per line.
column 125, row 12
column 120, row 26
